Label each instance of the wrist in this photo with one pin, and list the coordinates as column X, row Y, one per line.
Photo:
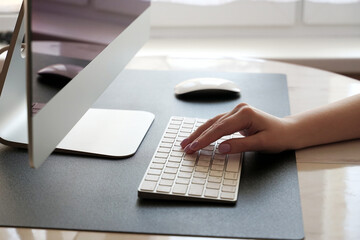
column 294, row 134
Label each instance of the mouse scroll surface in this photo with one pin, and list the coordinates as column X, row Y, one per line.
column 207, row 87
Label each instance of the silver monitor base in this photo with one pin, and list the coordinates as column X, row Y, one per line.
column 100, row 132
column 108, row 133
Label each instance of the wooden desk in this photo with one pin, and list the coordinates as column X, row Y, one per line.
column 329, row 175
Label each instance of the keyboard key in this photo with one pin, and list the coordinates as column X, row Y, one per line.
column 196, row 189
column 185, row 174
column 213, row 185
column 175, row 159
column 200, row 174
column 187, row 125
column 159, row 160
column 168, row 140
column 165, row 144
column 218, row 162
column 204, row 158
column 231, row 175
column 174, row 131
column 229, row 182
column 164, row 150
column 178, row 149
column 220, row 157
column 157, row 166
column 170, row 135
column 217, row 167
column 161, row 155
column 184, row 181
column 176, row 121
column 190, row 157
column 203, row 163
column 208, row 148
column 186, row 130
column 153, row 178
column 199, row 181
column 233, row 163
column 213, row 193
column 189, row 120
column 148, row 185
column 186, row 169
column 180, row 189
column 215, row 173
column 154, row 172
column 226, row 188
column 215, row 179
column 165, row 189
column 205, row 155
column 170, row 170
column 166, row 182
column 202, row 169
column 176, row 154
column 168, row 176
column 188, row 163
column 180, row 138
column 227, row 195
column 174, row 126
column 173, row 165
column 184, row 134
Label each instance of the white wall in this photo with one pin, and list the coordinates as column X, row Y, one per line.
column 318, row 33
column 266, row 18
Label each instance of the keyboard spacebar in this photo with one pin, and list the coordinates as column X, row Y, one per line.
column 233, row 162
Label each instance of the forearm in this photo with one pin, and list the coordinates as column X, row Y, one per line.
column 332, row 123
column 335, row 122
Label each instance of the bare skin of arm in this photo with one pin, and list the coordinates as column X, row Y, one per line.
column 334, row 122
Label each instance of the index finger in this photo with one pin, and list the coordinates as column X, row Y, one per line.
column 223, row 127
column 200, row 130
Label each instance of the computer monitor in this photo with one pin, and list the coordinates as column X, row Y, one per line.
column 101, row 36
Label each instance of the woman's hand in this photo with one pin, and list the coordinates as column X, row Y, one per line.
column 262, row 131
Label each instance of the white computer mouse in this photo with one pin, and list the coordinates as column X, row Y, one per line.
column 203, row 86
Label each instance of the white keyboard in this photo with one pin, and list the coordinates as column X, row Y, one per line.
column 205, row 175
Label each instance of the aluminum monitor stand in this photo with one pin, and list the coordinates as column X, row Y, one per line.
column 100, row 132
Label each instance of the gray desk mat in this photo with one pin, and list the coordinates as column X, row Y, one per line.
column 83, row 193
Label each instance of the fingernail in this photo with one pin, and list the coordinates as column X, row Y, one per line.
column 194, row 145
column 186, row 149
column 184, row 143
column 224, row 148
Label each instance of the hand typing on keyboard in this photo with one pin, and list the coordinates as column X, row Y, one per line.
column 205, row 175
column 263, row 132
column 202, row 160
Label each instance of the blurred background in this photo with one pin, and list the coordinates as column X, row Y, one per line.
column 318, row 33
